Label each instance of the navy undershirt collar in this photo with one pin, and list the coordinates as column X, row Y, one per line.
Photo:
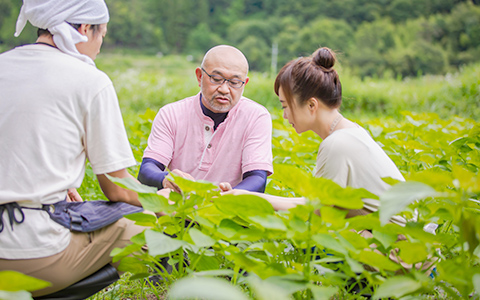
column 217, row 118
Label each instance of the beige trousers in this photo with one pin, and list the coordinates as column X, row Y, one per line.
column 86, row 253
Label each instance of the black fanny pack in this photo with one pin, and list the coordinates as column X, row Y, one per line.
column 84, row 216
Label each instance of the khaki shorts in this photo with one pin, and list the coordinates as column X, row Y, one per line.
column 86, row 253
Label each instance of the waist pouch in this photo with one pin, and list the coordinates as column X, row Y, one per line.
column 88, row 216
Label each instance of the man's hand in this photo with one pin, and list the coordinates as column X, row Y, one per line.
column 170, row 185
column 73, row 196
column 225, row 187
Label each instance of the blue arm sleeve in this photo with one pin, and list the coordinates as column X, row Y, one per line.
column 152, row 173
column 253, row 181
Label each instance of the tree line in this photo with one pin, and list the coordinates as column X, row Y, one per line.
column 395, row 38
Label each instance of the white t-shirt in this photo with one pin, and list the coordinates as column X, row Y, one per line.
column 350, row 157
column 55, row 111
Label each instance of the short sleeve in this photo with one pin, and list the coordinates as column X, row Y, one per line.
column 161, row 140
column 257, row 152
column 106, row 142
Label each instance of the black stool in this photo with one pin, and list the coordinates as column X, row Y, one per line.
column 86, row 287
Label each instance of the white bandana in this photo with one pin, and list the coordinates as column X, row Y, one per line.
column 54, row 15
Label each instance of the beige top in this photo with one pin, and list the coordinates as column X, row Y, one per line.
column 350, row 157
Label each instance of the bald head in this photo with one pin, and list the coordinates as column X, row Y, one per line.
column 227, row 57
column 220, row 66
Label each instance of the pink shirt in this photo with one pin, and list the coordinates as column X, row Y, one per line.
column 182, row 138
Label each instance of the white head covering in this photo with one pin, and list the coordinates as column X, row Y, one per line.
column 54, row 15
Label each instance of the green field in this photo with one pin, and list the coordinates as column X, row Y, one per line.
column 427, row 125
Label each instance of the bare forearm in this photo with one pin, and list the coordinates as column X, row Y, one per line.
column 281, row 203
column 116, row 193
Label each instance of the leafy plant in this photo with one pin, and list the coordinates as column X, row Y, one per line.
column 312, row 251
column 17, row 286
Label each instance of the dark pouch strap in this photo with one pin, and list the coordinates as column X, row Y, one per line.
column 10, row 208
column 88, row 216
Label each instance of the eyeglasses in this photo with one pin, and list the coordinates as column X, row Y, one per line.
column 219, row 80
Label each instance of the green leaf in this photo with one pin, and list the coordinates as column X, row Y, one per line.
column 333, row 216
column 132, row 265
column 291, row 283
column 386, row 239
column 399, row 196
column 322, row 292
column 376, row 260
column 143, row 219
column 269, row 222
column 325, row 190
column 476, row 283
column 205, row 288
column 20, row 295
column 358, row 241
column 265, row 290
column 397, row 287
column 139, row 239
column 188, row 186
column 155, row 203
column 203, row 262
column 229, row 228
column 132, row 184
column 218, row 272
column 12, row 281
column 411, row 252
column 160, row 244
column 244, row 206
column 329, row 242
column 200, row 239
column 120, row 253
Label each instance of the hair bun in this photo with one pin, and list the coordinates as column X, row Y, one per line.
column 325, row 58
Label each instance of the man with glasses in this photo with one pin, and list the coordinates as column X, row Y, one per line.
column 217, row 135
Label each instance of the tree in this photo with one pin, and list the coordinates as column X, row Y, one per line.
column 334, row 34
column 201, row 39
column 125, row 30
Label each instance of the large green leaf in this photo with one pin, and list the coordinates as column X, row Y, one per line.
column 244, row 206
column 160, row 244
column 20, row 295
column 376, row 260
column 397, row 287
column 12, row 281
column 132, row 184
column 329, row 242
column 142, row 219
column 155, row 203
column 291, row 283
column 399, row 196
column 205, row 288
column 322, row 292
column 266, row 290
column 325, row 190
column 411, row 252
column 198, row 186
column 204, row 263
column 333, row 216
column 132, row 265
column 200, row 239
column 269, row 222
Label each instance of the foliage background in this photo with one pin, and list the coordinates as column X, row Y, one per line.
column 386, row 38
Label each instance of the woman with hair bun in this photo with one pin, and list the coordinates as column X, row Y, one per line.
column 310, row 93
